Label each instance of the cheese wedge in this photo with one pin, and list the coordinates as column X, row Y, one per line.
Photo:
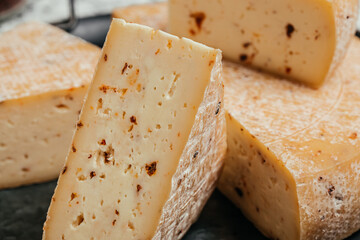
column 154, row 14
column 44, row 74
column 302, row 40
column 293, row 161
column 150, row 141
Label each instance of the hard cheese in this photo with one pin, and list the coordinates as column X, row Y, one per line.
column 44, row 73
column 293, row 161
column 149, row 144
column 303, row 39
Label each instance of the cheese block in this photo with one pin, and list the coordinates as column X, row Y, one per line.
column 302, row 40
column 293, row 161
column 44, row 74
column 150, row 140
column 154, row 14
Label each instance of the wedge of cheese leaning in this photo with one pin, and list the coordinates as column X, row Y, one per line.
column 293, row 161
column 44, row 74
column 302, row 40
column 149, row 144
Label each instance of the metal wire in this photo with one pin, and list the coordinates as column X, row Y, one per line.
column 71, row 22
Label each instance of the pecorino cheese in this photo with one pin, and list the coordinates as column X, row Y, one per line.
column 44, row 74
column 149, row 144
column 293, row 161
column 302, row 40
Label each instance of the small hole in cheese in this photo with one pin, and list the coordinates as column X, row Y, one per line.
column 79, row 220
column 131, row 225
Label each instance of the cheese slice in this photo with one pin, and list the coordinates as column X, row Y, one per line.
column 293, row 161
column 44, row 74
column 151, row 142
column 302, row 40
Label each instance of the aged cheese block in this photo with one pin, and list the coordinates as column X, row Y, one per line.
column 293, row 162
column 303, row 39
column 149, row 144
column 44, row 73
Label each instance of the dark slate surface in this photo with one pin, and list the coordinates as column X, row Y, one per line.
column 23, row 210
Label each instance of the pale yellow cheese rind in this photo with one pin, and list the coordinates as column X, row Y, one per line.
column 315, row 153
column 38, row 58
column 150, row 142
column 44, row 75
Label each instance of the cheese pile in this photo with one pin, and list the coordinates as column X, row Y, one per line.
column 44, row 75
column 150, row 141
column 293, row 161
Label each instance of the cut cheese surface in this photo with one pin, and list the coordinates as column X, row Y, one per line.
column 149, row 144
column 44, row 74
column 302, row 40
column 293, row 157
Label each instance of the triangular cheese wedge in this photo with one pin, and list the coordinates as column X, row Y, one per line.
column 293, row 153
column 149, row 144
column 44, row 75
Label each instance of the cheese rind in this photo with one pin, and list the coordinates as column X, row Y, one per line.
column 38, row 58
column 295, row 176
column 151, row 142
column 44, row 74
column 302, row 40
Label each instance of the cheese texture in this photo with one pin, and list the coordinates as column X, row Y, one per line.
column 149, row 144
column 293, row 160
column 44, row 74
column 302, row 40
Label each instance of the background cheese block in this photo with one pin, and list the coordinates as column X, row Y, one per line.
column 303, row 39
column 293, row 161
column 149, row 144
column 44, row 73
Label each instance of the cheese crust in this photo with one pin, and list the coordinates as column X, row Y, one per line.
column 37, row 58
